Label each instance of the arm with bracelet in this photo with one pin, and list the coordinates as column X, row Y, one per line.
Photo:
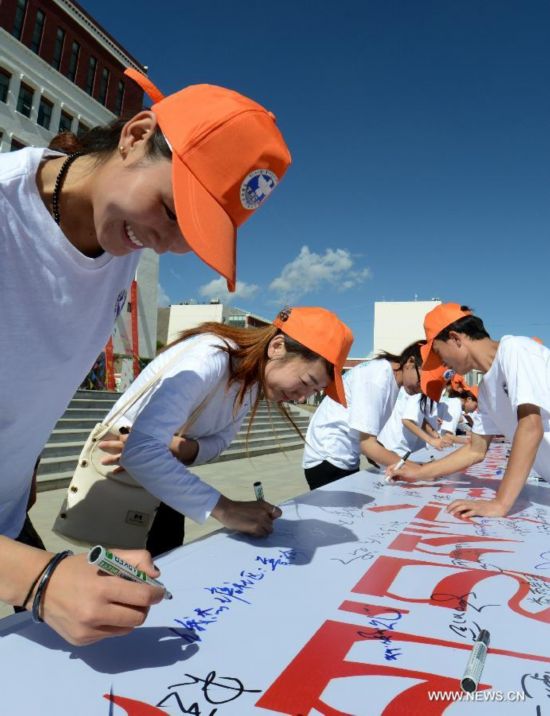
column 71, row 596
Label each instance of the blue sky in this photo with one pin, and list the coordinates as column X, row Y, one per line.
column 420, row 135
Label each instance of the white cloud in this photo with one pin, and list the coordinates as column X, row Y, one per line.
column 310, row 272
column 163, row 299
column 217, row 288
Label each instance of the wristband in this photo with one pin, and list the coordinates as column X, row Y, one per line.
column 43, row 583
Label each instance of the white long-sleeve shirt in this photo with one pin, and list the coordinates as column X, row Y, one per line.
column 202, row 370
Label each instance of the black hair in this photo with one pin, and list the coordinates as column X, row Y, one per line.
column 104, row 141
column 470, row 326
column 424, row 404
column 455, row 394
column 411, row 351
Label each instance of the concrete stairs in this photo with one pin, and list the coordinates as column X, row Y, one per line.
column 270, row 433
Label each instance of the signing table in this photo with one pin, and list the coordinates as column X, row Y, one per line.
column 364, row 601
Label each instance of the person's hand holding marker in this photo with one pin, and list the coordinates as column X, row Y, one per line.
column 84, row 605
column 404, row 471
column 253, row 518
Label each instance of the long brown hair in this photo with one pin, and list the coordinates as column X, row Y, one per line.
column 248, row 359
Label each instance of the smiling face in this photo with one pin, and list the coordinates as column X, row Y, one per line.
column 289, row 376
column 132, row 197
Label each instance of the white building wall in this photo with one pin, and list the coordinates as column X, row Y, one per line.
column 189, row 316
column 27, row 67
column 399, row 323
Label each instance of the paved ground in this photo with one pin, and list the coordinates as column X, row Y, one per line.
column 281, row 475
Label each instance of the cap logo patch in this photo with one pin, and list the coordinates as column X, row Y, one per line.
column 256, row 187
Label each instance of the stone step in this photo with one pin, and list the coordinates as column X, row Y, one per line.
column 85, row 403
column 100, row 394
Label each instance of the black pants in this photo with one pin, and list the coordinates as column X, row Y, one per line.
column 325, row 473
column 167, row 530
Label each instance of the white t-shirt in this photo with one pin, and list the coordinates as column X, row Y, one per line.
column 333, row 432
column 449, row 412
column 57, row 312
column 201, row 370
column 520, row 374
column 394, row 435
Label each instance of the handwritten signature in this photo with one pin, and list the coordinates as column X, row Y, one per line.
column 460, row 624
column 381, row 625
column 227, row 593
column 216, row 690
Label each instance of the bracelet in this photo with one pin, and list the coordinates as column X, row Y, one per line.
column 35, row 582
column 43, row 583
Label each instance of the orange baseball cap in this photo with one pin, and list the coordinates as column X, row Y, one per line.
column 474, row 390
column 324, row 333
column 432, row 382
column 434, row 322
column 227, row 157
column 458, row 383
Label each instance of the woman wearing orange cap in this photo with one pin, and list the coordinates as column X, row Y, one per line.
column 227, row 370
column 181, row 176
column 514, row 400
column 338, row 434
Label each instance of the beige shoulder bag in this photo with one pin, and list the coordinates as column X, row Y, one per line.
column 107, row 507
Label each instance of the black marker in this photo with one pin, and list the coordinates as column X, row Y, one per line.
column 258, row 490
column 399, row 465
column 476, row 662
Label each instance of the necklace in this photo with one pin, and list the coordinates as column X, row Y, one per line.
column 59, row 183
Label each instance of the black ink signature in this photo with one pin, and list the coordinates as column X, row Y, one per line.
column 462, row 600
column 215, row 689
column 536, row 686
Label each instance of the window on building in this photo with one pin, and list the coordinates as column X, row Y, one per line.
column 5, row 78
column 73, row 61
column 45, row 109
column 92, row 66
column 82, row 129
column 119, row 98
column 20, row 10
column 16, row 144
column 24, row 101
column 103, row 85
column 58, row 48
column 65, row 122
column 38, row 31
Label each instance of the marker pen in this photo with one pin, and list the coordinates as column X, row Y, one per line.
column 258, row 490
column 112, row 564
column 476, row 662
column 402, row 461
column 398, row 465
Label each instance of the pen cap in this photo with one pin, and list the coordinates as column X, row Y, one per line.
column 484, row 636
